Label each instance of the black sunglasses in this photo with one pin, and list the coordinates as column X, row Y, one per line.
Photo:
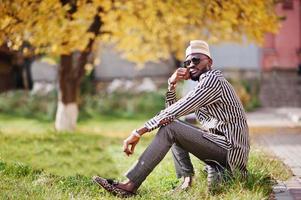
column 195, row 61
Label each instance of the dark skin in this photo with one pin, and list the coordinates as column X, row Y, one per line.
column 192, row 71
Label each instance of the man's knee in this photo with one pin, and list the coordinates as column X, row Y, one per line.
column 166, row 131
column 168, row 126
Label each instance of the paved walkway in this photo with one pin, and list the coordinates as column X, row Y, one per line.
column 275, row 117
column 280, row 133
column 287, row 147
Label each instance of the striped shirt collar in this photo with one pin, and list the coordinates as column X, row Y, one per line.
column 209, row 72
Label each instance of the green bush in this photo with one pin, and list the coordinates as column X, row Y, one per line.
column 121, row 104
column 23, row 104
column 248, row 92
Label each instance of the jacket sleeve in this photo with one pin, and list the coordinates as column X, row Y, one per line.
column 170, row 98
column 205, row 93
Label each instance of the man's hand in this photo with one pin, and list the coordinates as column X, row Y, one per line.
column 129, row 144
column 179, row 74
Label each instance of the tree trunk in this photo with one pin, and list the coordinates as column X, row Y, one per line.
column 66, row 116
column 71, row 72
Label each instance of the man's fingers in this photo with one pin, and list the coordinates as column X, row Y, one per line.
column 187, row 76
column 129, row 144
column 127, row 152
column 133, row 148
column 182, row 70
column 182, row 74
column 126, row 147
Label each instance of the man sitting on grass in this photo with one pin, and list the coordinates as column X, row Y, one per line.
column 222, row 143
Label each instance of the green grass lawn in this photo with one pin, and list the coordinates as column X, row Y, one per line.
column 38, row 163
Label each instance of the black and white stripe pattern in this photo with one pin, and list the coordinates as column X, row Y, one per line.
column 218, row 108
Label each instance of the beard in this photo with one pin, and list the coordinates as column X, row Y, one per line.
column 196, row 76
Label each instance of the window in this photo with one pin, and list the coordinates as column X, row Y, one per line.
column 287, row 4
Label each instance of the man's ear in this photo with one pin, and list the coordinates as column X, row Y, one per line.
column 210, row 62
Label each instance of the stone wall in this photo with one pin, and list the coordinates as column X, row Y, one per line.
column 280, row 89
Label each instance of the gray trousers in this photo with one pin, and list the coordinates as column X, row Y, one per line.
column 182, row 138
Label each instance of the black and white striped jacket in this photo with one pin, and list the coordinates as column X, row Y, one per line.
column 217, row 107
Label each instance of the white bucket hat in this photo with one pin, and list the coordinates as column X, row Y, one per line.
column 198, row 46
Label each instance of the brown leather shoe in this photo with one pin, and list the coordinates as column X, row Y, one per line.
column 111, row 186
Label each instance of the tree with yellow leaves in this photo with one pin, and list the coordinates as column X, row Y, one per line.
column 144, row 30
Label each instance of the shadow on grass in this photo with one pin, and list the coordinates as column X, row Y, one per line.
column 254, row 182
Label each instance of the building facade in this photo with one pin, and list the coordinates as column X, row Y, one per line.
column 280, row 51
